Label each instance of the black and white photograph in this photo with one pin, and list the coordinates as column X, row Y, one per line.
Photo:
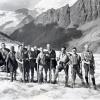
column 49, row 49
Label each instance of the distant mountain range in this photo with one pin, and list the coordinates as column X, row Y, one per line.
column 69, row 26
column 12, row 20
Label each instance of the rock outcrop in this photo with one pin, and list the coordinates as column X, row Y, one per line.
column 60, row 16
column 85, row 10
column 81, row 12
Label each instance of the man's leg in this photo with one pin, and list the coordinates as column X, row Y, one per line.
column 11, row 76
column 59, row 69
column 79, row 74
column 11, row 72
column 24, row 71
column 21, row 71
column 27, row 75
column 54, row 70
column 86, row 68
column 14, row 74
column 54, row 64
column 45, row 70
column 36, row 68
column 27, row 70
column 56, row 75
column 93, row 81
column 32, row 70
column 73, row 76
column 92, row 77
column 50, row 71
column 40, row 73
column 32, row 73
column 66, row 75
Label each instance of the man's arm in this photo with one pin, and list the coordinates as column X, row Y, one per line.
column 80, row 63
column 37, row 59
column 83, row 59
column 17, row 59
column 93, row 61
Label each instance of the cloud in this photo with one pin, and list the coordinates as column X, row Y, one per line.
column 16, row 4
column 54, row 3
column 46, row 4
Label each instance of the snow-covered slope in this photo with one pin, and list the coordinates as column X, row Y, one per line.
column 34, row 91
column 9, row 20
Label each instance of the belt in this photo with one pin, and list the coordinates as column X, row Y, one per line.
column 26, row 59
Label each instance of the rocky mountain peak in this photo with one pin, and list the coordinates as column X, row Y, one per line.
column 81, row 12
column 85, row 10
column 60, row 16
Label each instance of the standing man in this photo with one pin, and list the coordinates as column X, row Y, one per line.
column 26, row 66
column 19, row 58
column 63, row 65
column 36, row 52
column 41, row 63
column 89, row 65
column 23, row 61
column 32, row 62
column 12, row 63
column 4, row 51
column 76, row 68
column 50, row 62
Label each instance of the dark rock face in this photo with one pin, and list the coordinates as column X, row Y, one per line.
column 64, row 16
column 60, row 16
column 22, row 11
column 82, row 11
column 41, row 35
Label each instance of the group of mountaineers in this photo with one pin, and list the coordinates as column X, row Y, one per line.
column 46, row 61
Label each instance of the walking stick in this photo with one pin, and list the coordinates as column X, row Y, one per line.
column 58, row 74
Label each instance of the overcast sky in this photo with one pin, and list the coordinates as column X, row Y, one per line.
column 16, row 4
column 47, row 4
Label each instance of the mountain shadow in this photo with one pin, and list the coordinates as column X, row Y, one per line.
column 41, row 35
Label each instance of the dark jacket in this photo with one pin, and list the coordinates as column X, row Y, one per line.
column 75, row 59
column 4, row 53
column 11, row 61
column 50, row 55
column 1, row 60
column 50, row 58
